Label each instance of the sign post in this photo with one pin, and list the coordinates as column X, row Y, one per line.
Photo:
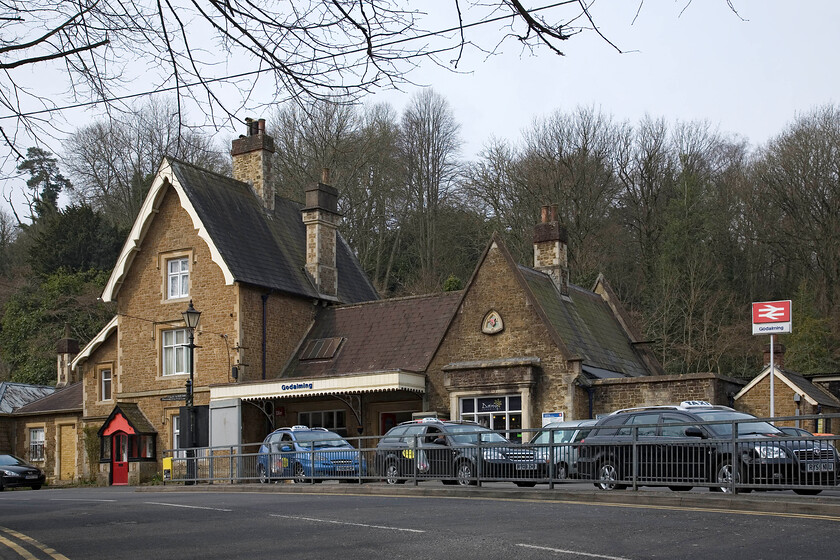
column 771, row 317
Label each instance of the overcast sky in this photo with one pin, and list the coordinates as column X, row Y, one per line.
column 683, row 61
column 748, row 74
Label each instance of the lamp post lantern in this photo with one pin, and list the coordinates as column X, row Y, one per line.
column 191, row 317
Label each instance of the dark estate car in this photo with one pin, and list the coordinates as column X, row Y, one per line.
column 692, row 443
column 300, row 453
column 455, row 453
column 17, row 472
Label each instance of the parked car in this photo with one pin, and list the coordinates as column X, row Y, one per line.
column 566, row 442
column 449, row 451
column 14, row 471
column 300, row 453
column 690, row 443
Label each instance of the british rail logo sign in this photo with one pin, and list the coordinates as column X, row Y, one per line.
column 771, row 317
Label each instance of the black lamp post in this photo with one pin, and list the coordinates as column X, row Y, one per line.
column 191, row 317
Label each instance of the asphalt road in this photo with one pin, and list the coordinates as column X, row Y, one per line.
column 92, row 523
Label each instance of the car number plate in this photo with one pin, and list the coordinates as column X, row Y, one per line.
column 526, row 466
column 814, row 467
column 344, row 468
column 32, row 476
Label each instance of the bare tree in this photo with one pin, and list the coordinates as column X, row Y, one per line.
column 219, row 54
column 429, row 146
column 111, row 162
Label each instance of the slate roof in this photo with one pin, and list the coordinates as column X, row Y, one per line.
column 16, row 395
column 260, row 247
column 817, row 393
column 388, row 335
column 67, row 399
column 587, row 326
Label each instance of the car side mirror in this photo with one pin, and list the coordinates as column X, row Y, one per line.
column 694, row 431
column 286, row 448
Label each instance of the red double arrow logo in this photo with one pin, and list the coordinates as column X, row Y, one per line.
column 771, row 312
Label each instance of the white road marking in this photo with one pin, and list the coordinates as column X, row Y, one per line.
column 575, row 552
column 300, row 518
column 78, row 500
column 185, row 506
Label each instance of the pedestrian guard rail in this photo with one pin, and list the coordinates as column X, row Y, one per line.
column 676, row 456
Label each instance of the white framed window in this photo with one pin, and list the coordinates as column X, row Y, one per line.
column 497, row 412
column 174, row 353
column 36, row 444
column 105, row 384
column 178, row 278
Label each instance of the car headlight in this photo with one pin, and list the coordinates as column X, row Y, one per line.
column 493, row 454
column 9, row 473
column 770, row 452
column 319, row 457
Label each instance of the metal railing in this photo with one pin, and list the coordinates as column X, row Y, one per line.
column 646, row 455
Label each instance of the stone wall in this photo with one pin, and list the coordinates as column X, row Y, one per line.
column 613, row 394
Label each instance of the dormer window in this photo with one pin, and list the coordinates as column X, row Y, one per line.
column 178, row 278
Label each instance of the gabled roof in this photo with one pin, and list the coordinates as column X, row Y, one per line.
column 248, row 242
column 95, row 342
column 399, row 334
column 15, row 395
column 68, row 399
column 133, row 416
column 582, row 324
column 812, row 392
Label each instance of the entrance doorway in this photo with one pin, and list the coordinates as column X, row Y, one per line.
column 119, row 459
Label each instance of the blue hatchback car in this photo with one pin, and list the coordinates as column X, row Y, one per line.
column 301, row 453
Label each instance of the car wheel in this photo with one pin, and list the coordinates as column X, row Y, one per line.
column 724, row 478
column 464, row 474
column 561, row 471
column 262, row 474
column 300, row 474
column 806, row 491
column 607, row 475
column 392, row 474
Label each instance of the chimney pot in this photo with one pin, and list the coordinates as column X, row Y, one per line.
column 325, row 175
column 553, row 212
column 544, row 214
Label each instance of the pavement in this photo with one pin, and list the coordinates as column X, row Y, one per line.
column 765, row 502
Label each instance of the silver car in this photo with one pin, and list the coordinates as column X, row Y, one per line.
column 566, row 437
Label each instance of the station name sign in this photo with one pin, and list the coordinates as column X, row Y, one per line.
column 771, row 317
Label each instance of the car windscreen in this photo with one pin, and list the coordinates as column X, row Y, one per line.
column 747, row 425
column 560, row 436
column 10, row 460
column 470, row 434
column 320, row 439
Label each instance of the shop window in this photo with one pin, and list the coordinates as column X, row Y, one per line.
column 174, row 353
column 332, row 420
column 36, row 444
column 178, row 278
column 497, row 412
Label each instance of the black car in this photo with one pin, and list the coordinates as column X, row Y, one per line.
column 692, row 443
column 455, row 453
column 17, row 472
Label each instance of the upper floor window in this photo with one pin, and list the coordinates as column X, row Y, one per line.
column 36, row 444
column 178, row 278
column 175, row 359
column 105, row 384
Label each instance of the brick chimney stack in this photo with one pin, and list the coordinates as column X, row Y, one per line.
column 778, row 354
column 252, row 160
column 67, row 349
column 322, row 219
column 551, row 249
